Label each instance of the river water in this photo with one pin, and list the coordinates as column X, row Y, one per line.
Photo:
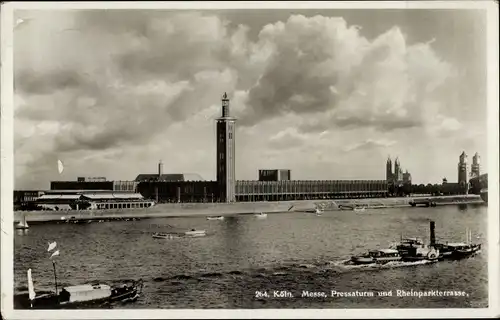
column 242, row 256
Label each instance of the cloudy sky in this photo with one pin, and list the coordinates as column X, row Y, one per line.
column 328, row 94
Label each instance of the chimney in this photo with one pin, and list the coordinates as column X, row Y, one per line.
column 433, row 234
column 160, row 169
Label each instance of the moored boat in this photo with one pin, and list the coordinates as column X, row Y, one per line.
column 379, row 256
column 359, row 209
column 76, row 296
column 346, row 208
column 318, row 211
column 261, row 215
column 22, row 225
column 215, row 218
column 160, row 235
column 195, row 233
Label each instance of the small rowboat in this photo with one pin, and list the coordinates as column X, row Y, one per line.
column 195, row 233
column 159, row 235
column 215, row 218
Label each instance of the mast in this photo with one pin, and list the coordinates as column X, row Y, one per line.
column 55, row 275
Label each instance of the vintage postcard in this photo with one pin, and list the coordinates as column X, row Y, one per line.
column 249, row 160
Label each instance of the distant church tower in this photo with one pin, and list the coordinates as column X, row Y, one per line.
column 226, row 153
column 475, row 167
column 388, row 170
column 462, row 172
column 398, row 172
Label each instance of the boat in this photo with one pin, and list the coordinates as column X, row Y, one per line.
column 215, row 218
column 315, row 210
column 160, row 235
column 422, row 202
column 346, row 208
column 380, row 256
column 459, row 250
column 22, row 225
column 195, row 233
column 359, row 209
column 261, row 215
column 79, row 296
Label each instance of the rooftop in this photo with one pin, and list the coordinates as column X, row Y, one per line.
column 169, row 177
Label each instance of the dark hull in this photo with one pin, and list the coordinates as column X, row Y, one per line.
column 364, row 260
column 415, row 258
column 49, row 300
column 460, row 254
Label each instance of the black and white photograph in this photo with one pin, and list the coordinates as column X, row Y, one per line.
column 249, row 160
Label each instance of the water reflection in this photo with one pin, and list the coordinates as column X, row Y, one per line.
column 21, row 232
column 232, row 231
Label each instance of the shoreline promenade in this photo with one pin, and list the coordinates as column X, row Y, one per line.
column 165, row 210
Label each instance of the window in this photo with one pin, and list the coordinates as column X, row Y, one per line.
column 230, row 135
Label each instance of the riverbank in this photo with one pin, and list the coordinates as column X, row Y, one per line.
column 227, row 209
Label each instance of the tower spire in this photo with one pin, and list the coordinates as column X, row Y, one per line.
column 225, row 105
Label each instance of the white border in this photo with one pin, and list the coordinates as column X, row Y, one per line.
column 7, row 166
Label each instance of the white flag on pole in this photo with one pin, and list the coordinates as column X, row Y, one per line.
column 52, row 246
column 56, row 253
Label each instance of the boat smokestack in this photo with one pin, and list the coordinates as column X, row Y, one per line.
column 433, row 233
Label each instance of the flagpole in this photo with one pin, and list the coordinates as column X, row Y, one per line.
column 55, row 276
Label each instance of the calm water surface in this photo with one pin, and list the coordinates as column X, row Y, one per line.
column 243, row 254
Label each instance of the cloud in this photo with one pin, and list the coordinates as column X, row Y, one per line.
column 369, row 144
column 92, row 80
column 321, row 65
column 286, row 139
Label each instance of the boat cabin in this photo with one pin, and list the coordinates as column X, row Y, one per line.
column 383, row 253
column 86, row 292
column 411, row 242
